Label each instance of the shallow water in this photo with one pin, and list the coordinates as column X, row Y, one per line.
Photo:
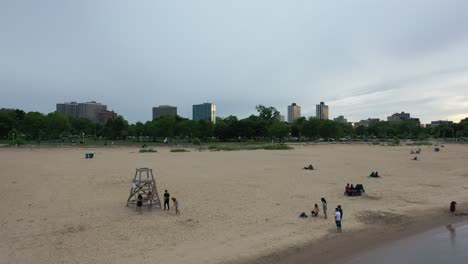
column 447, row 244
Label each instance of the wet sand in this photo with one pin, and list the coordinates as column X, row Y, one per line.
column 374, row 242
column 445, row 244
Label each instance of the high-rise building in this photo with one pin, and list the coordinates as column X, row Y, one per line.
column 321, row 111
column 341, row 119
column 397, row 117
column 205, row 111
column 440, row 123
column 294, row 112
column 164, row 110
column 70, row 109
column 367, row 122
column 106, row 116
column 91, row 110
column 280, row 118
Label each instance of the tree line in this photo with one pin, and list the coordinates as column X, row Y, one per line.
column 20, row 125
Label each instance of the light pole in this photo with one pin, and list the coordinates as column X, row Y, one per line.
column 83, row 137
column 13, row 138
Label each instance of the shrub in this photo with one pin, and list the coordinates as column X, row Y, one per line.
column 179, row 150
column 147, row 150
column 196, row 141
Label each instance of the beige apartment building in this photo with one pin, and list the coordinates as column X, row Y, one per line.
column 294, row 112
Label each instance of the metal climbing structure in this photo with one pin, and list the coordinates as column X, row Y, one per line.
column 144, row 183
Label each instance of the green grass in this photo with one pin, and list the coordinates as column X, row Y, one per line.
column 147, row 151
column 179, row 150
column 422, row 143
column 247, row 147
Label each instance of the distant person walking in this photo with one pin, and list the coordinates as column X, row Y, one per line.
column 338, row 220
column 166, row 200
column 139, row 203
column 324, row 207
column 176, row 205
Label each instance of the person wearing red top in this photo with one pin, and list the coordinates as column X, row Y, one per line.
column 347, row 189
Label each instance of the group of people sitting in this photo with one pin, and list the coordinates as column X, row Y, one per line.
column 374, row 174
column 352, row 190
column 310, row 167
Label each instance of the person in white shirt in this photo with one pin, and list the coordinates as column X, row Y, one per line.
column 338, row 219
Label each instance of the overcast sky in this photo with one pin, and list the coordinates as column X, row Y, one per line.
column 363, row 58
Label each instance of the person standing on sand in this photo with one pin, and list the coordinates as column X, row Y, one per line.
column 453, row 205
column 341, row 212
column 338, row 220
column 166, row 199
column 176, row 205
column 150, row 200
column 139, row 204
column 324, row 207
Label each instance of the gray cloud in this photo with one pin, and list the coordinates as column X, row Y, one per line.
column 364, row 58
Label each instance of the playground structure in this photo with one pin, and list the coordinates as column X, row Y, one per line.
column 143, row 183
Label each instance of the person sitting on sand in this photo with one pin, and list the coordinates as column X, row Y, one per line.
column 347, row 189
column 352, row 190
column 453, row 206
column 175, row 205
column 359, row 189
column 310, row 167
column 415, row 158
column 316, row 211
column 372, row 174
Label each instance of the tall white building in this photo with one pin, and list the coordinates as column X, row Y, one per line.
column 294, row 112
column 321, row 111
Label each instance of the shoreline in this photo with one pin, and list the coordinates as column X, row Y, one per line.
column 338, row 247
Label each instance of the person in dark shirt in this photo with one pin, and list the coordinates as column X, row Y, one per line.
column 453, row 205
column 341, row 211
column 139, row 203
column 167, row 196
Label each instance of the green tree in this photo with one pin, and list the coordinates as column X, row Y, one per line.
column 268, row 114
column 58, row 124
column 279, row 130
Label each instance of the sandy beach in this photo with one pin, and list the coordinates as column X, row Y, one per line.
column 237, row 206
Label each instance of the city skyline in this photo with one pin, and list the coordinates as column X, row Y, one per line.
column 171, row 110
column 366, row 60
